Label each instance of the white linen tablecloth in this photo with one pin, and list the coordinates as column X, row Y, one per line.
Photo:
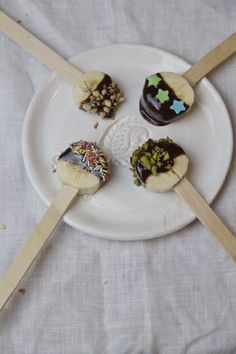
column 172, row 295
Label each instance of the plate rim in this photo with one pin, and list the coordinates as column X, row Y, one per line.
column 88, row 230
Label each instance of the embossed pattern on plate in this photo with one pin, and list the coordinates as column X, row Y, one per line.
column 120, row 210
column 123, row 137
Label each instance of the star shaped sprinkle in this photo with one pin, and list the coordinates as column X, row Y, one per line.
column 178, row 106
column 162, row 95
column 153, row 80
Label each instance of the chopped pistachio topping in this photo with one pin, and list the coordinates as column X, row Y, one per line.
column 146, row 162
column 154, row 156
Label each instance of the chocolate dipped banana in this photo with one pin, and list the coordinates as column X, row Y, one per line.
column 95, row 92
column 165, row 97
column 84, row 166
column 159, row 164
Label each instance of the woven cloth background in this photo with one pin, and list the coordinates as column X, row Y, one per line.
column 172, row 295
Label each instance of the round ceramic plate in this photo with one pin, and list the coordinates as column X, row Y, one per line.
column 120, row 210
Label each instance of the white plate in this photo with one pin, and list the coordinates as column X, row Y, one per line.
column 120, row 210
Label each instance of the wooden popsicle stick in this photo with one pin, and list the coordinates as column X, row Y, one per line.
column 215, row 57
column 38, row 49
column 207, row 216
column 35, row 242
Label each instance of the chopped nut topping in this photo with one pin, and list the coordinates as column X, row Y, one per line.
column 107, row 103
column 102, row 114
column 103, row 100
column 95, row 125
column 106, row 109
column 155, row 156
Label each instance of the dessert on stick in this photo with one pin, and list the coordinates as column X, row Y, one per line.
column 161, row 166
column 83, row 168
column 94, row 91
column 167, row 96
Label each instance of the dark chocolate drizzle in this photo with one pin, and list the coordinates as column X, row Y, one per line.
column 155, row 112
column 173, row 149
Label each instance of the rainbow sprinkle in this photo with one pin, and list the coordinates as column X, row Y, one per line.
column 91, row 158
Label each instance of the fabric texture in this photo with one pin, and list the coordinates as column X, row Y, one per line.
column 172, row 295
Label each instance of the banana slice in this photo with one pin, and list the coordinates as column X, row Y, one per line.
column 166, row 96
column 164, row 182
column 84, row 166
column 159, row 164
column 95, row 92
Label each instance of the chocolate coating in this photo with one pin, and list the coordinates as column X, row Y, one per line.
column 157, row 111
column 89, row 157
column 162, row 145
column 95, row 92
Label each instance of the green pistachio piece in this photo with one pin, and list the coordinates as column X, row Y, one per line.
column 137, row 151
column 154, row 155
column 133, row 159
column 137, row 182
column 153, row 161
column 166, row 156
column 146, row 162
column 148, row 154
column 154, row 170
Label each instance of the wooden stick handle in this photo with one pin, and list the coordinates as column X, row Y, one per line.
column 38, row 49
column 35, row 242
column 215, row 57
column 207, row 216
